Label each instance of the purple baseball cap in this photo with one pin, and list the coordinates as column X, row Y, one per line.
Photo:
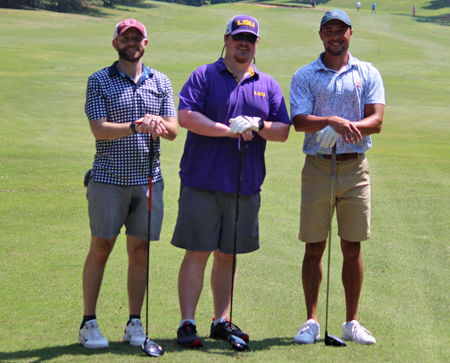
column 242, row 24
column 123, row 26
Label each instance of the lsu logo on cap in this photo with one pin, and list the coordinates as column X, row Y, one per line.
column 246, row 22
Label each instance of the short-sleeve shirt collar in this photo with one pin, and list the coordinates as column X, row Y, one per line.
column 114, row 71
column 319, row 66
column 221, row 67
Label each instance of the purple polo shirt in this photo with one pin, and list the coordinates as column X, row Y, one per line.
column 212, row 163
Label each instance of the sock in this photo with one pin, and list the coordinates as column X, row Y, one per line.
column 220, row 320
column 134, row 317
column 192, row 321
column 86, row 318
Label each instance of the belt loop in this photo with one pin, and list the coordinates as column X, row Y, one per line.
column 361, row 156
column 316, row 157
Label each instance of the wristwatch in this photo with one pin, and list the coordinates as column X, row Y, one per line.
column 133, row 127
column 261, row 124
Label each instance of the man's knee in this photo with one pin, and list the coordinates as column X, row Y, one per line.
column 101, row 249
column 351, row 250
column 314, row 251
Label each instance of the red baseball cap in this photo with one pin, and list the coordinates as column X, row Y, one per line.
column 123, row 26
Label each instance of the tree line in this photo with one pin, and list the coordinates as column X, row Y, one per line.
column 75, row 6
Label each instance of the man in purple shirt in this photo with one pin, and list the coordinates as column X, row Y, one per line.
column 225, row 106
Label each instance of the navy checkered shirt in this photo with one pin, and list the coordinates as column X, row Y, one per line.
column 113, row 96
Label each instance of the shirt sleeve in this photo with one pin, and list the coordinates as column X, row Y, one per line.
column 278, row 111
column 95, row 106
column 375, row 92
column 168, row 105
column 194, row 94
column 301, row 98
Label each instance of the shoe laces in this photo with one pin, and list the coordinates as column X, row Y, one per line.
column 136, row 329
column 190, row 329
column 359, row 330
column 307, row 326
column 93, row 330
column 230, row 326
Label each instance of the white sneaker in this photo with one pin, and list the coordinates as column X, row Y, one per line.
column 355, row 332
column 308, row 333
column 134, row 333
column 91, row 337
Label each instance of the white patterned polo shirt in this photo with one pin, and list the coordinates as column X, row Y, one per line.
column 319, row 91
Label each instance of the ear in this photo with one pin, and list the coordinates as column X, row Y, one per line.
column 145, row 42
column 320, row 35
column 114, row 43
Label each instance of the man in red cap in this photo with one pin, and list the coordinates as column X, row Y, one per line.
column 129, row 107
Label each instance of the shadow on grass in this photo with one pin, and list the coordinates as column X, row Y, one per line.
column 437, row 4
column 439, row 19
column 124, row 349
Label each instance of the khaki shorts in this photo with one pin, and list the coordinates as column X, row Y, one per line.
column 351, row 196
column 112, row 206
column 206, row 221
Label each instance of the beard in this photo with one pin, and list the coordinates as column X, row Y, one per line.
column 336, row 52
column 240, row 58
column 124, row 55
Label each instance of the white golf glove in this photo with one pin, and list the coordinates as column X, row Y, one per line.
column 327, row 136
column 241, row 123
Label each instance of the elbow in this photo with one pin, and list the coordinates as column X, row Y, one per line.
column 184, row 118
column 377, row 129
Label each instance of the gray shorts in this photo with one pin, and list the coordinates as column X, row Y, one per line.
column 206, row 221
column 112, row 206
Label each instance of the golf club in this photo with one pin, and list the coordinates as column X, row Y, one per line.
column 331, row 340
column 236, row 342
column 150, row 348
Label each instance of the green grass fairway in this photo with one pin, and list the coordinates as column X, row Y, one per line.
column 46, row 146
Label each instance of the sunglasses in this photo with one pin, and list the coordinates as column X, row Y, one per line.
column 251, row 38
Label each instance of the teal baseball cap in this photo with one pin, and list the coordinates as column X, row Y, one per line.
column 336, row 14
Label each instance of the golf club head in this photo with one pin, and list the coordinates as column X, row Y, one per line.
column 333, row 341
column 152, row 349
column 237, row 343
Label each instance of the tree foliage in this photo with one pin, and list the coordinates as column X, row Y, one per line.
column 65, row 6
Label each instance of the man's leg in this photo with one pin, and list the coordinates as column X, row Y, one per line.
column 352, row 276
column 190, row 282
column 137, row 273
column 137, row 283
column 94, row 268
column 221, row 283
column 312, row 276
column 309, row 332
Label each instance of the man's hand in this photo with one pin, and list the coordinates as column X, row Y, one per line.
column 241, row 123
column 345, row 128
column 151, row 124
column 327, row 136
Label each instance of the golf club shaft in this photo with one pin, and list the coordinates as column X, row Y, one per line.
column 332, row 177
column 241, row 163
column 150, row 189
